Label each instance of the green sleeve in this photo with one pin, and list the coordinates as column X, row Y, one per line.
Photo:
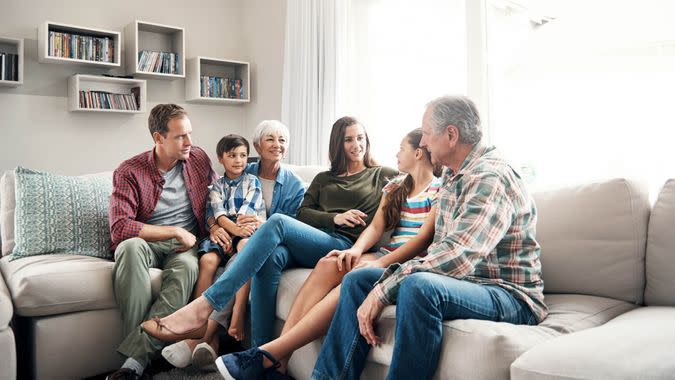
column 310, row 210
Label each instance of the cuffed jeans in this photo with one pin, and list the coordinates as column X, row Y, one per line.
column 280, row 243
column 424, row 301
column 131, row 283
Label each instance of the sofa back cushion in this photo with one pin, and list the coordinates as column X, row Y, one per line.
column 660, row 289
column 7, row 204
column 61, row 214
column 593, row 239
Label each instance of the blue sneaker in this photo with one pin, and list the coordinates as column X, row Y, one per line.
column 245, row 365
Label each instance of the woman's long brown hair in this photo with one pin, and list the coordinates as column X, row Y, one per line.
column 336, row 150
column 396, row 198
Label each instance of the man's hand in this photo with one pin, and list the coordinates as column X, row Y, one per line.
column 251, row 220
column 218, row 235
column 367, row 313
column 350, row 218
column 186, row 239
column 346, row 258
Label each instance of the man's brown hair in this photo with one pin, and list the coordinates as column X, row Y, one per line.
column 158, row 121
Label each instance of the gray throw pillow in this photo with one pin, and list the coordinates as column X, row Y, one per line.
column 61, row 214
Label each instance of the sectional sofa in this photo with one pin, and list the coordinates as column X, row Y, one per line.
column 608, row 271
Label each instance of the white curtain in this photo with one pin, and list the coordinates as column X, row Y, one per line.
column 377, row 60
column 315, row 36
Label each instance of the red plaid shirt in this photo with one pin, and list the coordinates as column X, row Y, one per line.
column 137, row 186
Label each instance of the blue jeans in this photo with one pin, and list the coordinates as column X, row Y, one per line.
column 281, row 242
column 424, row 301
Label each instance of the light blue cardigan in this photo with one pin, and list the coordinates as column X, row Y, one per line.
column 288, row 190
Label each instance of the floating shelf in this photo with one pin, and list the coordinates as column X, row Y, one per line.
column 116, row 86
column 13, row 46
column 43, row 44
column 142, row 36
column 219, row 68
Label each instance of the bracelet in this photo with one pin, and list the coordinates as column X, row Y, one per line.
column 214, row 224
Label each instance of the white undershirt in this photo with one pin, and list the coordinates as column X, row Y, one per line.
column 267, row 192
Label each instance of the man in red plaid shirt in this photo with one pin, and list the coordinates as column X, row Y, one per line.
column 156, row 216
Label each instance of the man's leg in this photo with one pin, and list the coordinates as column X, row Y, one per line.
column 178, row 277
column 425, row 300
column 344, row 351
column 131, row 281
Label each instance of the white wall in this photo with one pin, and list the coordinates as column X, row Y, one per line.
column 264, row 25
column 37, row 131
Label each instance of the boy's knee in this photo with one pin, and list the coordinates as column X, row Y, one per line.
column 209, row 260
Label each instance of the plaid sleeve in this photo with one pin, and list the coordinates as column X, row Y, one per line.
column 124, row 204
column 482, row 215
column 215, row 205
column 253, row 197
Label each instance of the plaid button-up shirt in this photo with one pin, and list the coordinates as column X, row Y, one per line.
column 484, row 233
column 137, row 186
column 239, row 196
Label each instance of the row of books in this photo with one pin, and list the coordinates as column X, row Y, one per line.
column 9, row 66
column 217, row 87
column 68, row 45
column 110, row 101
column 159, row 62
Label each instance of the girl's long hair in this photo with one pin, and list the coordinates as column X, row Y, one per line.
column 397, row 196
column 336, row 150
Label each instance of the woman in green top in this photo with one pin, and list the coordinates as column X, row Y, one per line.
column 337, row 207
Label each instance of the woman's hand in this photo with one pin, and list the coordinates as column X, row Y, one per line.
column 218, row 235
column 351, row 218
column 345, row 258
column 370, row 264
column 366, row 314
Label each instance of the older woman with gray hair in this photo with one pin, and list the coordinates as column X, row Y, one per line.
column 282, row 192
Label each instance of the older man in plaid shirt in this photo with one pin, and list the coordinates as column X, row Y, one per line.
column 483, row 262
column 157, row 212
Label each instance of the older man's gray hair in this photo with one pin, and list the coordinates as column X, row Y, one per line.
column 459, row 111
column 270, row 127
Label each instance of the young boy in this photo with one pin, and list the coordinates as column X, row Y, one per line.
column 235, row 202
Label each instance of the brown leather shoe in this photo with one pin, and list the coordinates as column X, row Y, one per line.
column 155, row 328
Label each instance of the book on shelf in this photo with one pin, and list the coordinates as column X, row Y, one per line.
column 76, row 46
column 159, row 62
column 9, row 66
column 217, row 87
column 110, row 101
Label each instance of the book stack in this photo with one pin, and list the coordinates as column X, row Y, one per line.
column 110, row 101
column 89, row 48
column 158, row 62
column 9, row 66
column 217, row 87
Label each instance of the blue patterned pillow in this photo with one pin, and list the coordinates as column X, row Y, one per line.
column 61, row 214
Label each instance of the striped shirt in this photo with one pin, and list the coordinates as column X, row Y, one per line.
column 137, row 186
column 484, row 233
column 413, row 212
column 239, row 196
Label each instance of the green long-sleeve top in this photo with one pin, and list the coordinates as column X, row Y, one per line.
column 329, row 195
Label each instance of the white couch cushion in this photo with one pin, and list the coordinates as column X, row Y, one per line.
column 593, row 239
column 62, row 283
column 635, row 345
column 660, row 262
column 7, row 206
column 474, row 349
column 6, row 308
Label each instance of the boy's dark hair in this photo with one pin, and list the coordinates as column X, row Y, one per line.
column 230, row 142
column 161, row 114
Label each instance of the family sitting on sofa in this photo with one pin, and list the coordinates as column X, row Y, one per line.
column 463, row 246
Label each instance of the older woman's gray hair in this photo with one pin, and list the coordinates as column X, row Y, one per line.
column 459, row 111
column 270, row 127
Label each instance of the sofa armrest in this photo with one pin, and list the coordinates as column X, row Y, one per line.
column 6, row 306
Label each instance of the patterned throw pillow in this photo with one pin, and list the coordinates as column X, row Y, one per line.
column 61, row 214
